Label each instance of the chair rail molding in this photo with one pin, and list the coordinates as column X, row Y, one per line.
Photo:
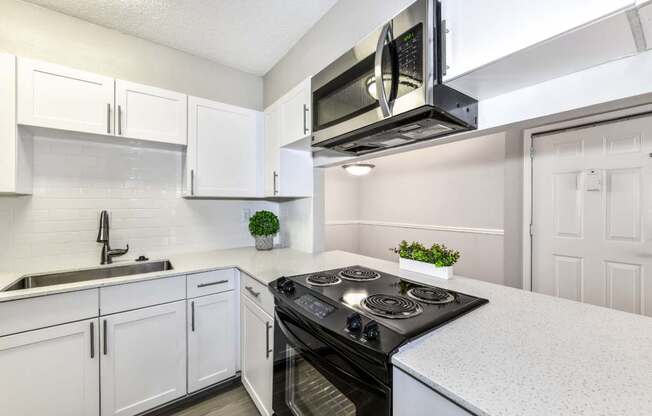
column 432, row 227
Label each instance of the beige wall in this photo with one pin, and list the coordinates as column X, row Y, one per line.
column 341, row 204
column 337, row 31
column 35, row 32
column 470, row 184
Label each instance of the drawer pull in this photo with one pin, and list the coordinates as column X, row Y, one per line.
column 219, row 282
column 251, row 290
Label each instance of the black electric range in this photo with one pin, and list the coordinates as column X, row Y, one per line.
column 336, row 330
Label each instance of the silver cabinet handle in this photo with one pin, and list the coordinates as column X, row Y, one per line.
column 192, row 316
column 212, row 283
column 268, row 351
column 106, row 343
column 108, row 118
column 275, row 183
column 192, row 182
column 119, row 121
column 378, row 70
column 305, row 121
column 251, row 290
column 92, row 340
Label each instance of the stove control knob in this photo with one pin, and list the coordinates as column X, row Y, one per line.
column 354, row 322
column 371, row 331
column 285, row 285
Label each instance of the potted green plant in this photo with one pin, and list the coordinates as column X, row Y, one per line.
column 264, row 225
column 437, row 260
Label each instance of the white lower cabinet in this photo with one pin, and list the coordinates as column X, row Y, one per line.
column 212, row 342
column 52, row 371
column 257, row 354
column 143, row 358
column 410, row 397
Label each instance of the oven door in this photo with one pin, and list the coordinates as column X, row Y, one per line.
column 385, row 74
column 313, row 379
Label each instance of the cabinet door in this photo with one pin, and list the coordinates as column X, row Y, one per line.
column 150, row 113
column 143, row 358
column 481, row 31
column 257, row 355
column 212, row 343
column 272, row 147
column 53, row 371
column 224, row 144
column 62, row 98
column 295, row 114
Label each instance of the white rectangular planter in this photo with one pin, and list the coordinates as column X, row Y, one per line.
column 426, row 268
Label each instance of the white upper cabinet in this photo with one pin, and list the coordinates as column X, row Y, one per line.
column 295, row 114
column 57, row 97
column 482, row 31
column 212, row 339
column 224, row 143
column 143, row 358
column 288, row 162
column 272, row 146
column 15, row 146
column 150, row 113
column 52, row 371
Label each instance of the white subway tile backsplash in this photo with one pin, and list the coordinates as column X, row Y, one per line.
column 75, row 179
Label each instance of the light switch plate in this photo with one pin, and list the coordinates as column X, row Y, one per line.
column 592, row 180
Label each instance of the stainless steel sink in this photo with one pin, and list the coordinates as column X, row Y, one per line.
column 40, row 280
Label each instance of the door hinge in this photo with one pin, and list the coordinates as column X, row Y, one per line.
column 532, row 152
column 531, row 229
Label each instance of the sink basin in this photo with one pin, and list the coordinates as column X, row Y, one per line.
column 50, row 279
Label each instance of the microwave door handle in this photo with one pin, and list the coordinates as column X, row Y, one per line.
column 378, row 71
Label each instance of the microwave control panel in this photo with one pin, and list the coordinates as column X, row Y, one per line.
column 409, row 50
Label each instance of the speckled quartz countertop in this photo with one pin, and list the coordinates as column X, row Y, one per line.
column 523, row 354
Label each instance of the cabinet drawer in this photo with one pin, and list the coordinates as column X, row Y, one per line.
column 33, row 313
column 141, row 294
column 216, row 281
column 257, row 292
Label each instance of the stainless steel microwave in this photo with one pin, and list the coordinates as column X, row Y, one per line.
column 387, row 91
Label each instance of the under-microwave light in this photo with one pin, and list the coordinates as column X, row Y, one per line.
column 359, row 169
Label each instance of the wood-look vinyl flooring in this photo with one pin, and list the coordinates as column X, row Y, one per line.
column 233, row 401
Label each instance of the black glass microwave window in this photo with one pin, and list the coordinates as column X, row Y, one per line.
column 354, row 92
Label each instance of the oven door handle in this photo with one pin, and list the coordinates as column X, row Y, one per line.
column 316, row 361
column 385, row 35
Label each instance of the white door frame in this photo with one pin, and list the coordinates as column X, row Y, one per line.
column 528, row 136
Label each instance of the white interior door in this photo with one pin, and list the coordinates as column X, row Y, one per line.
column 143, row 361
column 591, row 215
column 212, row 342
column 53, row 371
column 150, row 113
column 63, row 98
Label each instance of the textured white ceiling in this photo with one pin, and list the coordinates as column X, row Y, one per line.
column 250, row 35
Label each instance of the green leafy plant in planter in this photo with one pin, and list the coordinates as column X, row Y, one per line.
column 264, row 225
column 438, row 254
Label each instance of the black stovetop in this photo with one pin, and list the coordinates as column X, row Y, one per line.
column 351, row 294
